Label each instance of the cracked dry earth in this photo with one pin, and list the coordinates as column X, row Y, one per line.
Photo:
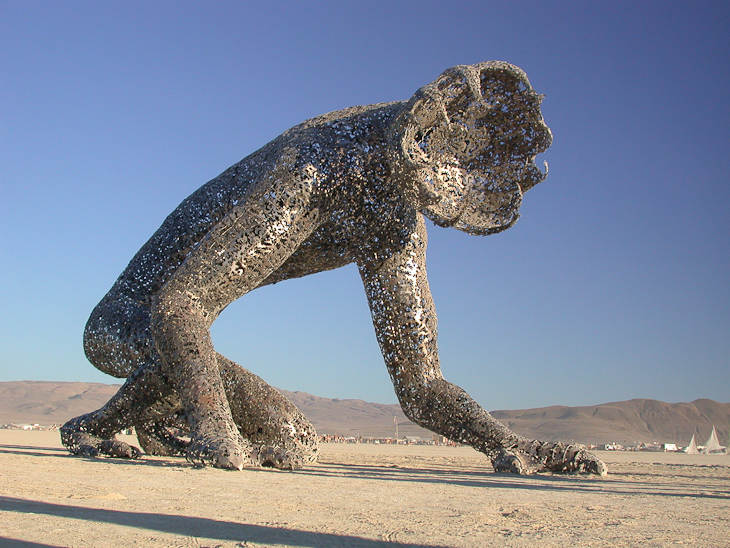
column 361, row 496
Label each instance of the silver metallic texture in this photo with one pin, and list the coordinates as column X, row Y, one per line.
column 351, row 186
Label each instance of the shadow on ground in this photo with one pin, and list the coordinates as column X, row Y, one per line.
column 190, row 527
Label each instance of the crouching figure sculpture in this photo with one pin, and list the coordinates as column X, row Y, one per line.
column 351, row 186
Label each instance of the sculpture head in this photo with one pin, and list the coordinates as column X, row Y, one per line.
column 464, row 146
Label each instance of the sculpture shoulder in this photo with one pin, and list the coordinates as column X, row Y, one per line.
column 339, row 149
column 355, row 119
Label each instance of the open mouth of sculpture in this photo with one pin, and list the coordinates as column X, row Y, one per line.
column 507, row 176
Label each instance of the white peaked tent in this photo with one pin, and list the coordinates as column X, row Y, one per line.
column 692, row 447
column 712, row 445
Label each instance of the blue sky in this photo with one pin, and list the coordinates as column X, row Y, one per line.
column 613, row 285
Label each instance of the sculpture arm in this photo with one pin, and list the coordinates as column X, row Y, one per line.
column 404, row 315
column 405, row 323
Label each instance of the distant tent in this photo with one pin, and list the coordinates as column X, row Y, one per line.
column 692, row 447
column 712, row 445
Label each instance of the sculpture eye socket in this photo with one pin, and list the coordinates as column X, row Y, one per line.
column 459, row 102
column 501, row 83
column 422, row 139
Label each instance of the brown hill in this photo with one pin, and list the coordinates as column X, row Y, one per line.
column 355, row 417
column 48, row 403
column 638, row 420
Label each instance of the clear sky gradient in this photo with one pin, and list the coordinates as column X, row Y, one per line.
column 614, row 284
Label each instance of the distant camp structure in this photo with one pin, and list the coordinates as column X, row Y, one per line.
column 712, row 446
column 692, row 447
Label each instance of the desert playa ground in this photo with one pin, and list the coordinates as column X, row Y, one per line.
column 361, row 496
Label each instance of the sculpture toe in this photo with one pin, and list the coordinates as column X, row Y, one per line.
column 555, row 458
column 570, row 459
column 277, row 457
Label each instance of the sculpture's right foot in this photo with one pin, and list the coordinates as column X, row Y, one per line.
column 79, row 441
column 219, row 452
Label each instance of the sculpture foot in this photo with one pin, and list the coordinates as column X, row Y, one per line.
column 556, row 458
column 276, row 457
column 219, row 452
column 82, row 443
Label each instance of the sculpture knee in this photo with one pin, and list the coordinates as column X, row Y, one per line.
column 117, row 337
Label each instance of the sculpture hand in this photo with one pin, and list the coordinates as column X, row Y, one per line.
column 557, row 458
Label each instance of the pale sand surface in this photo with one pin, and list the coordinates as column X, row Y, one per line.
column 363, row 496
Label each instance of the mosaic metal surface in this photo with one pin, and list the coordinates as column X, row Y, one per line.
column 351, row 186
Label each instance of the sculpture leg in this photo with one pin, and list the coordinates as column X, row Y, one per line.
column 277, row 433
column 190, row 362
column 237, row 255
column 117, row 341
column 280, row 434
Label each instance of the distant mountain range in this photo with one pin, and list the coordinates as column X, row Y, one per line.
column 624, row 422
column 639, row 420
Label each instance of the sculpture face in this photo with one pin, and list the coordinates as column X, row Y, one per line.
column 467, row 143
